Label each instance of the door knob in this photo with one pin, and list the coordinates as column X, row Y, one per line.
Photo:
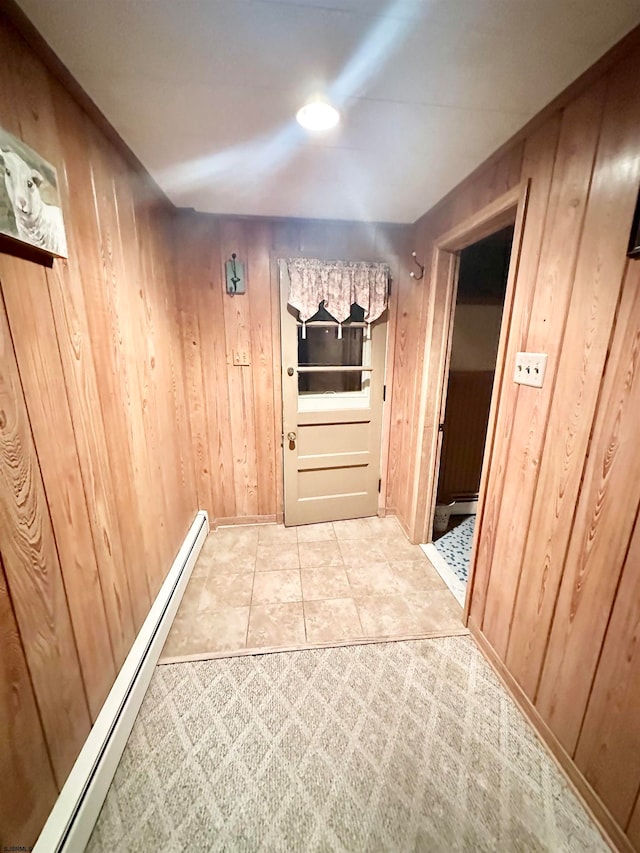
column 291, row 436
column 290, row 371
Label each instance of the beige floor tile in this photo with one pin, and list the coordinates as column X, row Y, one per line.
column 385, row 616
column 316, row 554
column 326, row 582
column 374, row 579
column 222, row 630
column 361, row 552
column 202, row 567
column 352, row 528
column 191, row 598
column 272, row 558
column 239, row 535
column 387, row 526
column 276, row 587
column 333, row 619
column 226, row 590
column 398, row 548
column 435, row 610
column 316, row 532
column 414, row 576
column 277, row 534
column 276, row 625
column 233, row 559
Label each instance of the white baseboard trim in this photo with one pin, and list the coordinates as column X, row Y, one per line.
column 76, row 810
column 464, row 508
column 457, row 587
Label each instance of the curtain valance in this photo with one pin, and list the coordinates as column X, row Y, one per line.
column 338, row 284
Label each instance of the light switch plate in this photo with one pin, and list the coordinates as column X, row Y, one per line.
column 530, row 368
column 241, row 358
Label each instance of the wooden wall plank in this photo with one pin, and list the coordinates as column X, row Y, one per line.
column 263, row 342
column 633, row 829
column 27, row 785
column 215, row 367
column 465, row 427
column 69, row 290
column 591, row 313
column 601, row 530
column 565, row 214
column 30, row 559
column 29, row 309
column 111, row 337
column 537, row 167
column 608, row 751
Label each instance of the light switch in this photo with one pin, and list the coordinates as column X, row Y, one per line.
column 241, row 358
column 530, row 368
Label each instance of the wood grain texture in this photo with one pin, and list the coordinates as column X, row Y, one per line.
column 608, row 751
column 27, row 785
column 633, row 829
column 465, row 429
column 560, row 242
column 594, row 300
column 601, row 531
column 78, row 353
column 29, row 310
column 537, row 167
column 97, row 486
column 28, row 552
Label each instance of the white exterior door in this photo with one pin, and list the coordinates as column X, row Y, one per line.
column 332, row 398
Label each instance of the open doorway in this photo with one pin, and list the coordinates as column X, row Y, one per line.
column 483, row 269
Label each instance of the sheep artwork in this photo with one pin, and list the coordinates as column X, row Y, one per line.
column 27, row 216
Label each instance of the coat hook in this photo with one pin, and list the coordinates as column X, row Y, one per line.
column 235, row 276
column 420, row 267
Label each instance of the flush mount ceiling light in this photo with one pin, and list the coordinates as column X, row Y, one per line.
column 318, row 115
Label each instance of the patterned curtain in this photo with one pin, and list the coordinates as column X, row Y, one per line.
column 338, row 284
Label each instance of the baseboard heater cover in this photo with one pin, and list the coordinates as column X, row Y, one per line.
column 69, row 826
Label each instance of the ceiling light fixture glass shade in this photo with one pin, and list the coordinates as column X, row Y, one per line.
column 318, row 115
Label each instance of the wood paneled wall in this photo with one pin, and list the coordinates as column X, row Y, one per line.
column 97, row 489
column 236, row 412
column 557, row 577
column 465, row 428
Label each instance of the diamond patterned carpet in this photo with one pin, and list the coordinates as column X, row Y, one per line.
column 405, row 746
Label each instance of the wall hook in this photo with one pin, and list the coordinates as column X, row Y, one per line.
column 235, row 276
column 420, row 267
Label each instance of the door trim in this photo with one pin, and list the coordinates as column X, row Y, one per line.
column 509, row 209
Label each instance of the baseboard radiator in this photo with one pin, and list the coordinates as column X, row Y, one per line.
column 74, row 814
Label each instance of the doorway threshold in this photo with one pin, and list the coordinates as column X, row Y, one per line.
column 457, row 587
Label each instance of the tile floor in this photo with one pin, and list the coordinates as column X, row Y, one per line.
column 265, row 587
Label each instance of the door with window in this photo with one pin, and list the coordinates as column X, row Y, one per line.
column 332, row 398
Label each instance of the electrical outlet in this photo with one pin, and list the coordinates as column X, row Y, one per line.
column 241, row 358
column 530, row 368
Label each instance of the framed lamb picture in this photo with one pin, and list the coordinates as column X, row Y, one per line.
column 30, row 210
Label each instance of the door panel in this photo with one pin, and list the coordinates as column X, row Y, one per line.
column 332, row 397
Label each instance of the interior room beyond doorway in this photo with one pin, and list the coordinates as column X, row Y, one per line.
column 482, row 281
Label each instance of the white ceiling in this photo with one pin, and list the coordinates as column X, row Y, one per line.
column 205, row 91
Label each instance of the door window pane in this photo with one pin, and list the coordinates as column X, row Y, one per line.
column 331, row 382
column 322, row 347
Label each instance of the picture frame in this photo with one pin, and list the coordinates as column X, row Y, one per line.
column 634, row 239
column 30, row 206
